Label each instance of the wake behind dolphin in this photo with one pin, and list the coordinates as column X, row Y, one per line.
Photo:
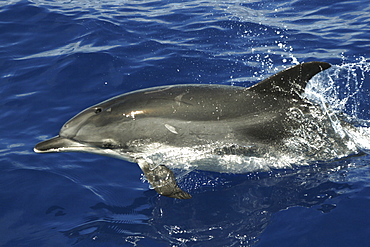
column 208, row 127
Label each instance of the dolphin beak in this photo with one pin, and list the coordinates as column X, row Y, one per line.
column 57, row 144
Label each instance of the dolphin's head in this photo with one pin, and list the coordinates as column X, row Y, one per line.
column 99, row 129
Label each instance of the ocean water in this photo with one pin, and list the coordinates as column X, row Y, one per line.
column 58, row 57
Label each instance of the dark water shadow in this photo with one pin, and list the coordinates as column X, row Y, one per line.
column 232, row 210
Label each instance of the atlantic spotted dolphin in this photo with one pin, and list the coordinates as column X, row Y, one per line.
column 209, row 127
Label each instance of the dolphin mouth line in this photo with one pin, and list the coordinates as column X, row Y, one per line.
column 60, row 144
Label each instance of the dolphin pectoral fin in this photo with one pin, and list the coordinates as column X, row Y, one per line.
column 163, row 180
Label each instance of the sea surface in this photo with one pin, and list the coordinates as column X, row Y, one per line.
column 58, row 57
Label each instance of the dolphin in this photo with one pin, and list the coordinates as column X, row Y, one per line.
column 208, row 127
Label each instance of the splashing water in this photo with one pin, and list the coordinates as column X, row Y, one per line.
column 342, row 94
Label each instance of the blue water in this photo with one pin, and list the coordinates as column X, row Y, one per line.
column 58, row 57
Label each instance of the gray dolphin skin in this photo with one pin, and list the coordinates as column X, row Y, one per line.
column 207, row 127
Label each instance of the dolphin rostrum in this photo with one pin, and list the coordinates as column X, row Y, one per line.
column 207, row 127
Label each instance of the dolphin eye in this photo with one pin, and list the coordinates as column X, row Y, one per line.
column 98, row 110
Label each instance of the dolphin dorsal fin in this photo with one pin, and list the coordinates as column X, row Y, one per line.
column 290, row 82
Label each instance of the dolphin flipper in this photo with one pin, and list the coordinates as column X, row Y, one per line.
column 163, row 180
